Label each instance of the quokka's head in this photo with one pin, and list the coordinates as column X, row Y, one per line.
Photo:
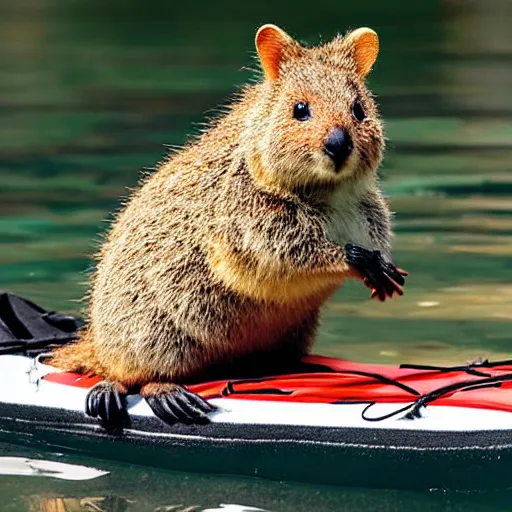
column 314, row 123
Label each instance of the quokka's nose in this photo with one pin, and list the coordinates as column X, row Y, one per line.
column 338, row 146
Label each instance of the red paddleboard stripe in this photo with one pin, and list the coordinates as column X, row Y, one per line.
column 72, row 379
column 339, row 382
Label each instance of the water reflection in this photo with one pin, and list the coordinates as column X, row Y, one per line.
column 117, row 504
column 137, row 489
column 20, row 466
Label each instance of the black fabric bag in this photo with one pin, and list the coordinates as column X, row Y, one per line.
column 28, row 329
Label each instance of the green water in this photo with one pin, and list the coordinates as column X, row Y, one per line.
column 91, row 91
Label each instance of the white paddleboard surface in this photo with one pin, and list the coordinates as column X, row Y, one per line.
column 21, row 383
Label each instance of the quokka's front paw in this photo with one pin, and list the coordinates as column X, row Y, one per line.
column 381, row 276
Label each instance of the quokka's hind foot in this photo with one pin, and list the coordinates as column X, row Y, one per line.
column 107, row 402
column 175, row 404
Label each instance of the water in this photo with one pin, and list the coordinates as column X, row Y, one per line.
column 90, row 92
column 145, row 489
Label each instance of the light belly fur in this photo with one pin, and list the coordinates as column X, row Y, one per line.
column 347, row 223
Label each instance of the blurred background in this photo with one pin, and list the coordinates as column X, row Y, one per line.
column 91, row 91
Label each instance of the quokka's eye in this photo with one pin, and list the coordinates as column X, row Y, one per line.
column 358, row 111
column 301, row 111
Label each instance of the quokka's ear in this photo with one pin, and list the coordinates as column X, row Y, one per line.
column 364, row 45
column 274, row 45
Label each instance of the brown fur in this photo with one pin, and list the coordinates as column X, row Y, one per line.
column 229, row 250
